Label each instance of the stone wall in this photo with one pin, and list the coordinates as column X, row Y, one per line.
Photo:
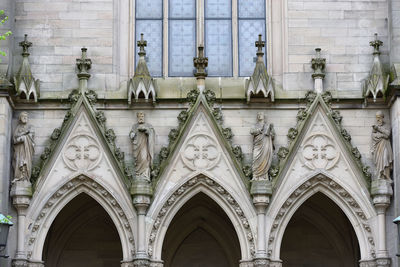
column 58, row 29
column 343, row 29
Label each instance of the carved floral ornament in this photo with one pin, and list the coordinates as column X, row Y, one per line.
column 70, row 186
column 217, row 188
column 337, row 190
column 319, row 152
column 201, row 152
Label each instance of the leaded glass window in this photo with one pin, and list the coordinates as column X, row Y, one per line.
column 218, row 37
column 182, row 37
column 251, row 19
column 149, row 15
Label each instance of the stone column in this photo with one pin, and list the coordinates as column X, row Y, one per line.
column 381, row 191
column 21, row 193
column 141, row 192
column 261, row 191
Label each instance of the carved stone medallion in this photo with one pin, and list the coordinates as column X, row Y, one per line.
column 319, row 152
column 82, row 153
column 201, row 152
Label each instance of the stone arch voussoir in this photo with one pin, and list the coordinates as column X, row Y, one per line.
column 345, row 201
column 44, row 216
column 184, row 193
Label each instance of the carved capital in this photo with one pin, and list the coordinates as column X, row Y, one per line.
column 381, row 190
column 156, row 264
column 261, row 262
column 246, row 263
column 383, row 262
column 141, row 263
column 19, row 263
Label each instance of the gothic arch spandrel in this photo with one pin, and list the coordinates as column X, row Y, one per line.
column 81, row 151
column 320, row 161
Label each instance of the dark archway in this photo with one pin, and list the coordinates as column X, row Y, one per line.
column 319, row 234
column 82, row 235
column 201, row 234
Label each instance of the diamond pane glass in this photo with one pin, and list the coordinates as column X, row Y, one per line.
column 218, row 9
column 149, row 9
column 219, row 47
column 248, row 35
column 182, row 47
column 182, row 9
column 152, row 30
column 252, row 9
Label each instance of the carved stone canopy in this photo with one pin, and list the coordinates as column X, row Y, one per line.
column 260, row 83
column 142, row 85
column 376, row 84
column 26, row 85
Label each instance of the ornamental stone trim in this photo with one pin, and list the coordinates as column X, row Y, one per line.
column 327, row 182
column 217, row 188
column 72, row 185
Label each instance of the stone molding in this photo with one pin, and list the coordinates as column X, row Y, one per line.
column 339, row 191
column 86, row 185
column 180, row 192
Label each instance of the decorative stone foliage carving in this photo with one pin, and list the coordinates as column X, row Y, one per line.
column 339, row 191
column 217, row 188
column 64, row 190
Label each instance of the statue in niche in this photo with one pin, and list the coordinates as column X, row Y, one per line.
column 381, row 148
column 263, row 147
column 23, row 149
column 143, row 140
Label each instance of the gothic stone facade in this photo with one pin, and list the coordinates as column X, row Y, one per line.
column 82, row 106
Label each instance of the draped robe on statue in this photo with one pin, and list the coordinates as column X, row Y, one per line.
column 23, row 152
column 382, row 152
column 142, row 136
column 262, row 150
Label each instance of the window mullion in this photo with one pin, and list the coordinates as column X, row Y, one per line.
column 235, row 39
column 165, row 38
column 200, row 23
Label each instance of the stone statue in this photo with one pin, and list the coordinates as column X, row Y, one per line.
column 381, row 148
column 23, row 149
column 263, row 147
column 143, row 140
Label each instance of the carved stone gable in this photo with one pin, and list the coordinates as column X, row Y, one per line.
column 82, row 151
column 319, row 150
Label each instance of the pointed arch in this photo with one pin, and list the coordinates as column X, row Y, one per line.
column 44, row 215
column 201, row 184
column 355, row 213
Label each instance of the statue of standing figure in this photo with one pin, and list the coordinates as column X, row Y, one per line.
column 381, row 148
column 143, row 140
column 23, row 149
column 263, row 147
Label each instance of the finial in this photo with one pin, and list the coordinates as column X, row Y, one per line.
column 260, row 44
column 318, row 65
column 200, row 63
column 142, row 44
column 84, row 64
column 25, row 45
column 376, row 44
